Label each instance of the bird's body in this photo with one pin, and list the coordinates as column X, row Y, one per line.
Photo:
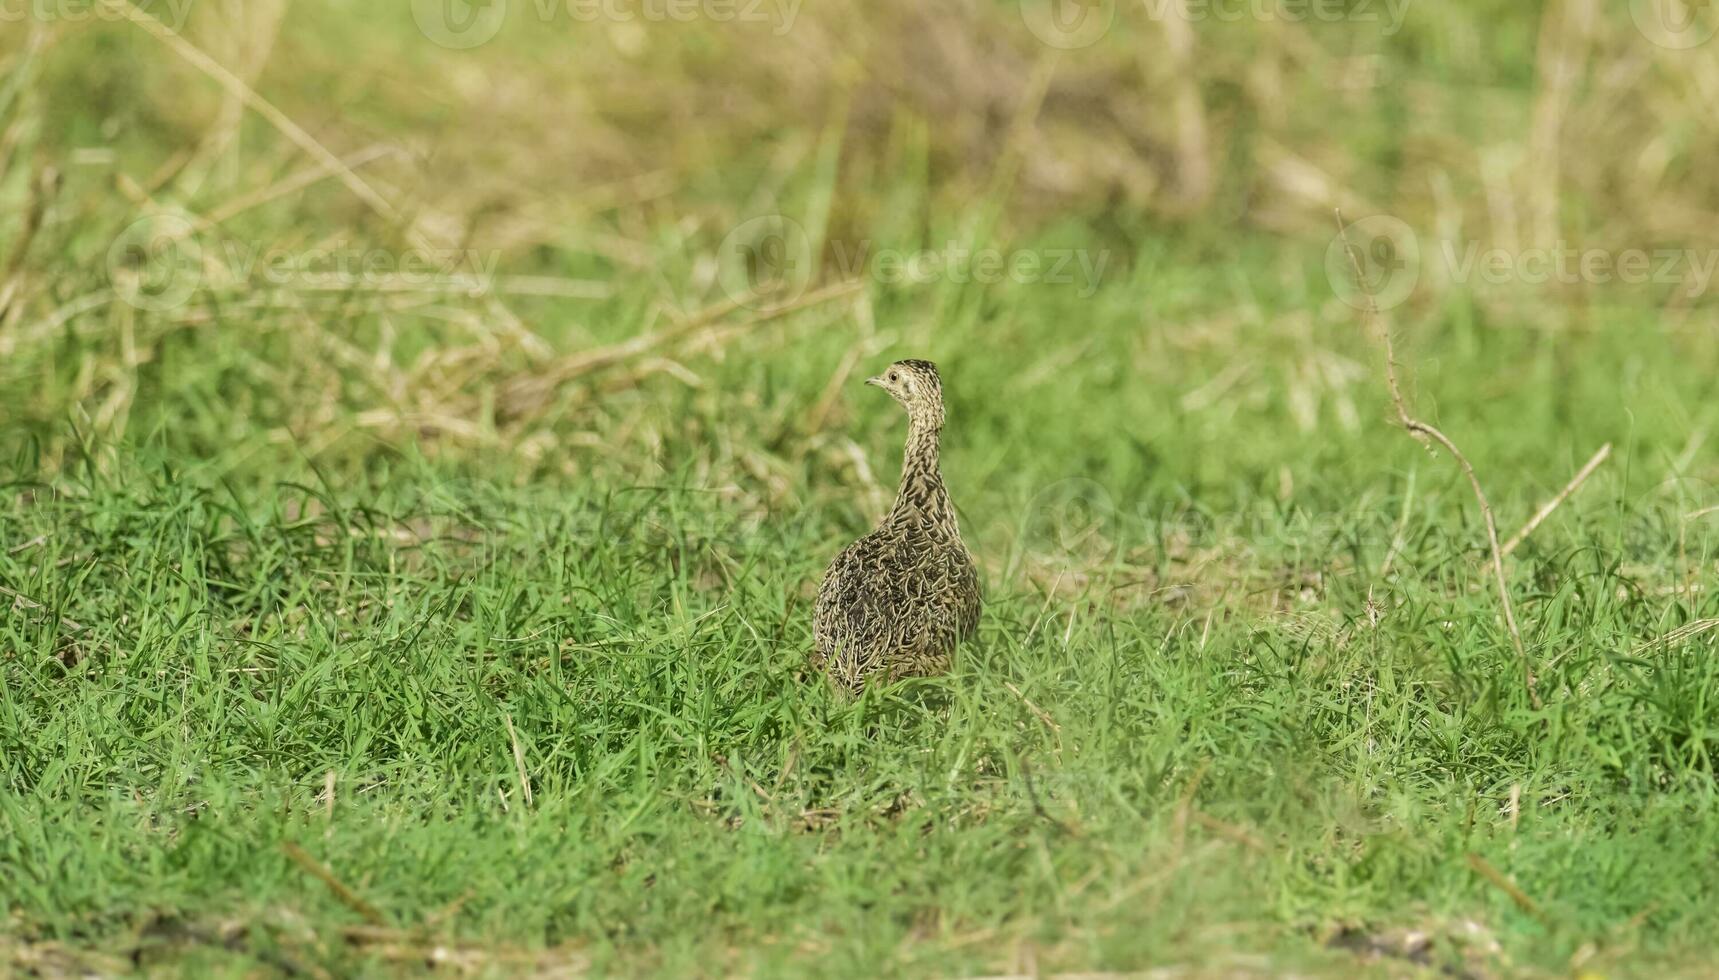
column 896, row 602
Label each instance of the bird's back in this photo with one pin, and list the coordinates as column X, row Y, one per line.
column 896, row 601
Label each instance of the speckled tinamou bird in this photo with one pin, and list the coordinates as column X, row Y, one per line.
column 897, row 601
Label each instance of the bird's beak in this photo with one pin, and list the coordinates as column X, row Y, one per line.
column 878, row 381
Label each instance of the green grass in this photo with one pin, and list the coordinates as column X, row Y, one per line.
column 1242, row 701
column 698, row 804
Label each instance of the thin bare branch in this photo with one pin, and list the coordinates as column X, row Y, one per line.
column 519, row 761
column 523, row 395
column 347, row 896
column 1544, row 512
column 1425, row 432
column 42, row 191
column 1037, row 711
column 1527, row 904
column 236, row 87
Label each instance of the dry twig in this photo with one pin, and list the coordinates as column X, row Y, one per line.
column 1576, row 481
column 1485, row 869
column 1037, row 711
column 1682, row 634
column 42, row 191
column 519, row 761
column 347, row 896
column 1424, row 432
column 527, row 394
column 1241, row 835
column 236, row 87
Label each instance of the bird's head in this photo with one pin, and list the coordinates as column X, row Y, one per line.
column 917, row 387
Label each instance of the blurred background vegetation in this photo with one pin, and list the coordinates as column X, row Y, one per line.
column 599, row 163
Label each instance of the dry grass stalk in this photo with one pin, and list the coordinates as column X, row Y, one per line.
column 347, row 896
column 19, row 599
column 1682, row 634
column 1193, row 143
column 1241, row 835
column 1038, row 712
column 1544, row 512
column 1527, row 904
column 525, row 396
column 236, row 87
column 1423, row 432
column 519, row 762
column 293, row 183
column 42, row 191
column 419, row 948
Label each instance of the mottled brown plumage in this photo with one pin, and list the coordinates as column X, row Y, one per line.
column 897, row 601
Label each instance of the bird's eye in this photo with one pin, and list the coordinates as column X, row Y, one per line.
column 893, row 377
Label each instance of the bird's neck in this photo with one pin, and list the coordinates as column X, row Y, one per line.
column 922, row 498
